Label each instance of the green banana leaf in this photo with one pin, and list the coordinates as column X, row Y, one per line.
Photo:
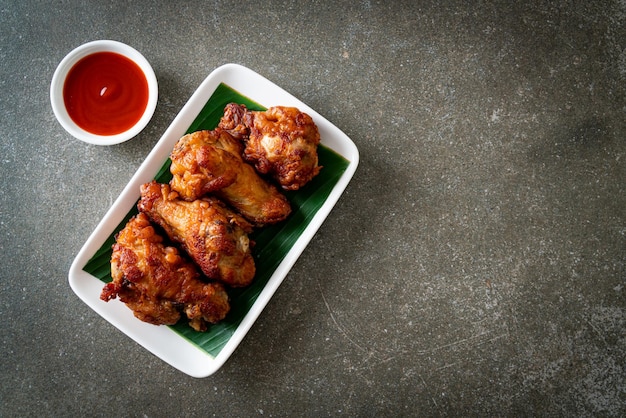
column 272, row 243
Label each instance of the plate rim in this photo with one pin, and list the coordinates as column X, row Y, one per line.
column 189, row 358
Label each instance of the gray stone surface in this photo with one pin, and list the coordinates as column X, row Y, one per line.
column 475, row 264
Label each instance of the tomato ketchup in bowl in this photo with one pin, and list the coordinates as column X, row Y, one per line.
column 104, row 92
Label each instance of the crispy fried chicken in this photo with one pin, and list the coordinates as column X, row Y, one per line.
column 211, row 162
column 281, row 142
column 214, row 236
column 157, row 283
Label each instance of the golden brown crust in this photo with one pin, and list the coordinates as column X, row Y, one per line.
column 214, row 236
column 199, row 169
column 157, row 283
column 233, row 121
column 210, row 162
column 281, row 142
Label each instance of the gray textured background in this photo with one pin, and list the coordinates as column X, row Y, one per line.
column 475, row 264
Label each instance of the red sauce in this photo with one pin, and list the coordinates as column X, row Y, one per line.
column 105, row 93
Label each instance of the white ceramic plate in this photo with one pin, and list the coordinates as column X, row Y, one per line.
column 162, row 341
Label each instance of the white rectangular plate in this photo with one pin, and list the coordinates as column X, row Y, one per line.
column 161, row 340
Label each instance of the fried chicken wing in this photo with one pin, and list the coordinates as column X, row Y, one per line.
column 157, row 283
column 211, row 162
column 214, row 236
column 201, row 164
column 281, row 142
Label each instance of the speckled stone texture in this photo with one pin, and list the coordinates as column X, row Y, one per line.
column 474, row 266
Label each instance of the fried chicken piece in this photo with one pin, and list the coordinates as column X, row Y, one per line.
column 214, row 236
column 211, row 162
column 281, row 142
column 233, row 122
column 157, row 283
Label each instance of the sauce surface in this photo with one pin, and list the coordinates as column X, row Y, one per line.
column 105, row 93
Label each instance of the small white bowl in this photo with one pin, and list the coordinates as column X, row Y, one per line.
column 58, row 81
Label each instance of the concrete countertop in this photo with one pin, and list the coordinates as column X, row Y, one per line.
column 474, row 266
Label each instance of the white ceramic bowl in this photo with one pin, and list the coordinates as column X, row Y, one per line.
column 58, row 81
